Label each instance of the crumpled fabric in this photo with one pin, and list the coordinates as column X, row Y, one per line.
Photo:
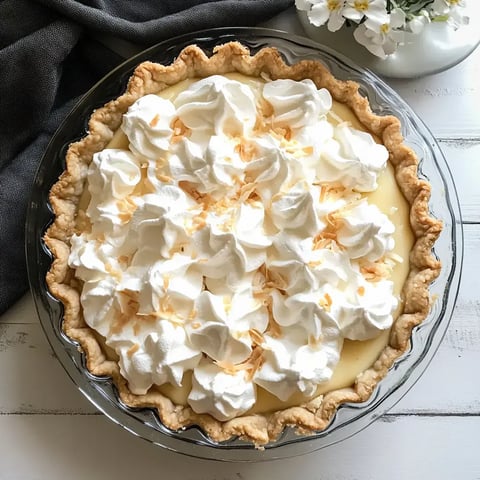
column 51, row 53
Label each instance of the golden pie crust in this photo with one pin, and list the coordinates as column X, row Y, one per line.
column 192, row 62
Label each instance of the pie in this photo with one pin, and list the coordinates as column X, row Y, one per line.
column 241, row 244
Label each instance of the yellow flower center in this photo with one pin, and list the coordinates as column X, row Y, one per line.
column 333, row 4
column 361, row 5
column 385, row 28
column 453, row 2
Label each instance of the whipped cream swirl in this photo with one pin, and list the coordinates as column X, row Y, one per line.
column 217, row 105
column 222, row 394
column 231, row 241
column 353, row 159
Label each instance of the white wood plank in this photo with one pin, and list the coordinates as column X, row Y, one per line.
column 463, row 158
column 22, row 311
column 32, row 378
column 469, row 288
column 449, row 384
column 446, row 102
column 79, row 447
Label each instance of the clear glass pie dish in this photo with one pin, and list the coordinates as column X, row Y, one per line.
column 350, row 418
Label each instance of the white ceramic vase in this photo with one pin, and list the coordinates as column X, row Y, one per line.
column 437, row 48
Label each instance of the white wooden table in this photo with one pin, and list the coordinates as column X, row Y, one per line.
column 49, row 431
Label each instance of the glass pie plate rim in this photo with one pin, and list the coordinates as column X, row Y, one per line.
column 349, row 418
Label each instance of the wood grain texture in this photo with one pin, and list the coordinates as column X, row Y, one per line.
column 33, row 381
column 446, row 101
column 463, row 157
column 81, row 447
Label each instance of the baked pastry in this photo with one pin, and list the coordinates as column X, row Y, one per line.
column 241, row 244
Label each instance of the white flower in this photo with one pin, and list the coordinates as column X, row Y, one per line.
column 457, row 17
column 375, row 10
column 324, row 11
column 451, row 10
column 439, row 8
column 383, row 24
column 417, row 23
column 382, row 39
column 303, row 5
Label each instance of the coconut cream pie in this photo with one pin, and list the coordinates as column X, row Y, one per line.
column 241, row 244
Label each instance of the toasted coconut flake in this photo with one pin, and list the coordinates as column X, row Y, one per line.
column 126, row 208
column 250, row 365
column 119, row 323
column 273, row 328
column 308, row 150
column 246, row 150
column 112, row 271
column 375, row 271
column 180, row 130
column 326, row 302
column 134, row 348
column 256, row 336
column 190, row 189
column 323, row 193
column 164, row 178
column 154, row 121
column 124, row 260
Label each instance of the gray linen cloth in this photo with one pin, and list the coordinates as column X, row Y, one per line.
column 49, row 56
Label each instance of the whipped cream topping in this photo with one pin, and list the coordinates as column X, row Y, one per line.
column 353, row 159
column 296, row 363
column 296, row 104
column 217, row 104
column 366, row 232
column 232, row 240
column 147, row 125
column 159, row 354
column 223, row 323
column 220, row 393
